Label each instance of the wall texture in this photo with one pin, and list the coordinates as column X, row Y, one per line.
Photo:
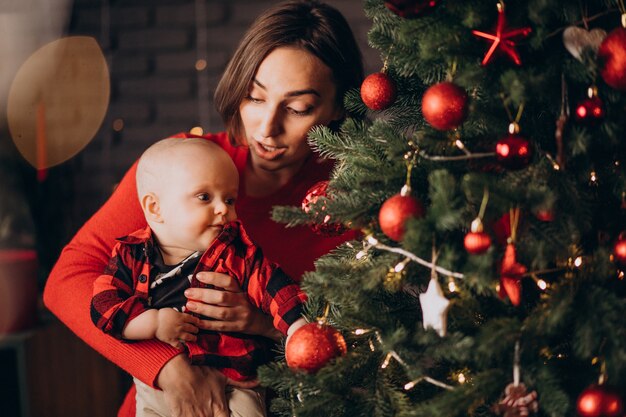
column 165, row 59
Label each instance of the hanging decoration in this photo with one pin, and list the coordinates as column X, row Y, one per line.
column 590, row 112
column 511, row 271
column 313, row 345
column 477, row 241
column 517, row 401
column 619, row 250
column 599, row 400
column 444, row 106
column 410, row 9
column 612, row 57
column 504, row 39
column 434, row 304
column 378, row 90
column 577, row 40
column 326, row 227
column 399, row 208
column 514, row 151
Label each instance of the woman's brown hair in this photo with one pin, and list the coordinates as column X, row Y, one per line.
column 311, row 25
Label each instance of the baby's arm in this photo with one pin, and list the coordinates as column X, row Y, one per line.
column 165, row 324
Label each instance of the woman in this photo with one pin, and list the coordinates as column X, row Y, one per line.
column 288, row 74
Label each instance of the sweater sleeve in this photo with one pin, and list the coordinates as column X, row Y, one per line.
column 69, row 288
column 115, row 302
column 275, row 292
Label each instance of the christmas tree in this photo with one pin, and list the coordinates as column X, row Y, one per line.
column 484, row 170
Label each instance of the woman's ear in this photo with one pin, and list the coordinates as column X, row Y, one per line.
column 151, row 208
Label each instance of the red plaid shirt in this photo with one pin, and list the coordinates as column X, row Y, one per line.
column 122, row 293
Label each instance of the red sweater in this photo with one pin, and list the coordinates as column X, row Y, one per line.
column 69, row 287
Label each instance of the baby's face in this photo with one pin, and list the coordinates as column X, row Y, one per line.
column 197, row 198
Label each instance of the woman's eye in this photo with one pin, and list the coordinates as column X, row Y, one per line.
column 297, row 112
column 254, row 99
column 203, row 197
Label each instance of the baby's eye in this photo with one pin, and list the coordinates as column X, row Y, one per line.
column 230, row 201
column 203, row 197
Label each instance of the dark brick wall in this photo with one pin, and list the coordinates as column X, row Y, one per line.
column 152, row 47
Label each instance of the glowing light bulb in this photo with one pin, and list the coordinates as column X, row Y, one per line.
column 461, row 378
column 578, row 261
column 542, row 284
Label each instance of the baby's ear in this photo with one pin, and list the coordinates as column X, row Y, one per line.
column 151, row 207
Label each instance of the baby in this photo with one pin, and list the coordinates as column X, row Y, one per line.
column 187, row 189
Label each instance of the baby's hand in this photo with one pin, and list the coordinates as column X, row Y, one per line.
column 176, row 328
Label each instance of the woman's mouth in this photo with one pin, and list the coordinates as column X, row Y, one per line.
column 268, row 152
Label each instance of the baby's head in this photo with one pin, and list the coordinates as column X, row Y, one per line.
column 187, row 189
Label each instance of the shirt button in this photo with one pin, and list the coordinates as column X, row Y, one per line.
column 142, row 278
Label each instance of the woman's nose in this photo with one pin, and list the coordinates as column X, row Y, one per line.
column 270, row 124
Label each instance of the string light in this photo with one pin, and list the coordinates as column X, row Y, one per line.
column 372, row 240
column 386, row 361
column 410, row 385
column 461, row 378
column 360, row 255
column 400, row 266
column 542, row 284
column 372, row 347
column 593, row 177
column 578, row 261
column 451, row 285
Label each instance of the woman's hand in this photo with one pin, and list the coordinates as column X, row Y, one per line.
column 228, row 306
column 193, row 391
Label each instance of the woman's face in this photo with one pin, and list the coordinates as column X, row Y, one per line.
column 292, row 91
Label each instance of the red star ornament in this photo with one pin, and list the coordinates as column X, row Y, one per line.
column 504, row 39
column 511, row 276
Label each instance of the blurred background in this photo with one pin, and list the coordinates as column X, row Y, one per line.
column 85, row 87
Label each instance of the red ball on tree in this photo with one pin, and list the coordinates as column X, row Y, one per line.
column 476, row 241
column 513, row 152
column 378, row 91
column 599, row 401
column 444, row 106
column 590, row 111
column 612, row 59
column 410, row 8
column 394, row 213
column 325, row 226
column 619, row 250
column 312, row 346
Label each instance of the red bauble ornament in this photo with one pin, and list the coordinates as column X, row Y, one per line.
column 477, row 243
column 313, row 345
column 378, row 91
column 513, row 152
column 545, row 215
column 444, row 106
column 599, row 401
column 619, row 250
column 326, row 227
column 503, row 40
column 590, row 111
column 395, row 212
column 411, row 8
column 612, row 58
